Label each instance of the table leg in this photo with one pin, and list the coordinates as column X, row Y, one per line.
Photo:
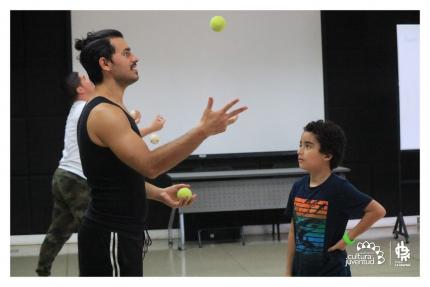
column 181, row 231
column 170, row 226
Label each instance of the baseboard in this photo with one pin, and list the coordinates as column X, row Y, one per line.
column 38, row 238
column 28, row 245
column 251, row 229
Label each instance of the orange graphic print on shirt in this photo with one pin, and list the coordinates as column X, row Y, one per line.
column 310, row 223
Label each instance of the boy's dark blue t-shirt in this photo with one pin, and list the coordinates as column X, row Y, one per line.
column 320, row 217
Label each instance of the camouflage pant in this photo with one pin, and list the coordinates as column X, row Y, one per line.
column 71, row 196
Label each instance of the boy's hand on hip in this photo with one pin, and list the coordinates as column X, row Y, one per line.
column 340, row 245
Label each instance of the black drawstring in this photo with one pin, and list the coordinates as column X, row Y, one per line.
column 146, row 242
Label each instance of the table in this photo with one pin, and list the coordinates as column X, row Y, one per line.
column 236, row 190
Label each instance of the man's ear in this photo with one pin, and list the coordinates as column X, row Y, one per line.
column 80, row 90
column 105, row 64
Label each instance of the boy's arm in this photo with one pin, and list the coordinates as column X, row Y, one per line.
column 372, row 213
column 291, row 248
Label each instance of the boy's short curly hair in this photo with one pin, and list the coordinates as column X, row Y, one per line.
column 332, row 139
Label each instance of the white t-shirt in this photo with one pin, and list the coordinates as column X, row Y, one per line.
column 71, row 161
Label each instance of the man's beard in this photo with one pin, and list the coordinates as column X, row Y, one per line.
column 127, row 81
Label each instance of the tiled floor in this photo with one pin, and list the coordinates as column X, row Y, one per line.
column 261, row 256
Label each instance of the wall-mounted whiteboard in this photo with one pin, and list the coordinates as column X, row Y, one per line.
column 271, row 60
column 408, row 48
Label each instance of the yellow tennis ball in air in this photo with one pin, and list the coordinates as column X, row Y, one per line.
column 217, row 23
column 184, row 192
column 154, row 138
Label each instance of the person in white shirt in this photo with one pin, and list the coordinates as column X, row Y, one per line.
column 70, row 191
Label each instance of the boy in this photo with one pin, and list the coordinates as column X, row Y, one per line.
column 320, row 205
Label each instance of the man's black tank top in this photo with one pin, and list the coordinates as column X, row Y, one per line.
column 118, row 196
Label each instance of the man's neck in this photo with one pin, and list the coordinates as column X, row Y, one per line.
column 318, row 177
column 78, row 98
column 83, row 97
column 111, row 90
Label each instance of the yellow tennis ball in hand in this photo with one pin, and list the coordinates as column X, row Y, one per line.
column 184, row 192
column 218, row 23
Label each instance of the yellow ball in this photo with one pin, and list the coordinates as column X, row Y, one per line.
column 154, row 138
column 184, row 192
column 217, row 23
